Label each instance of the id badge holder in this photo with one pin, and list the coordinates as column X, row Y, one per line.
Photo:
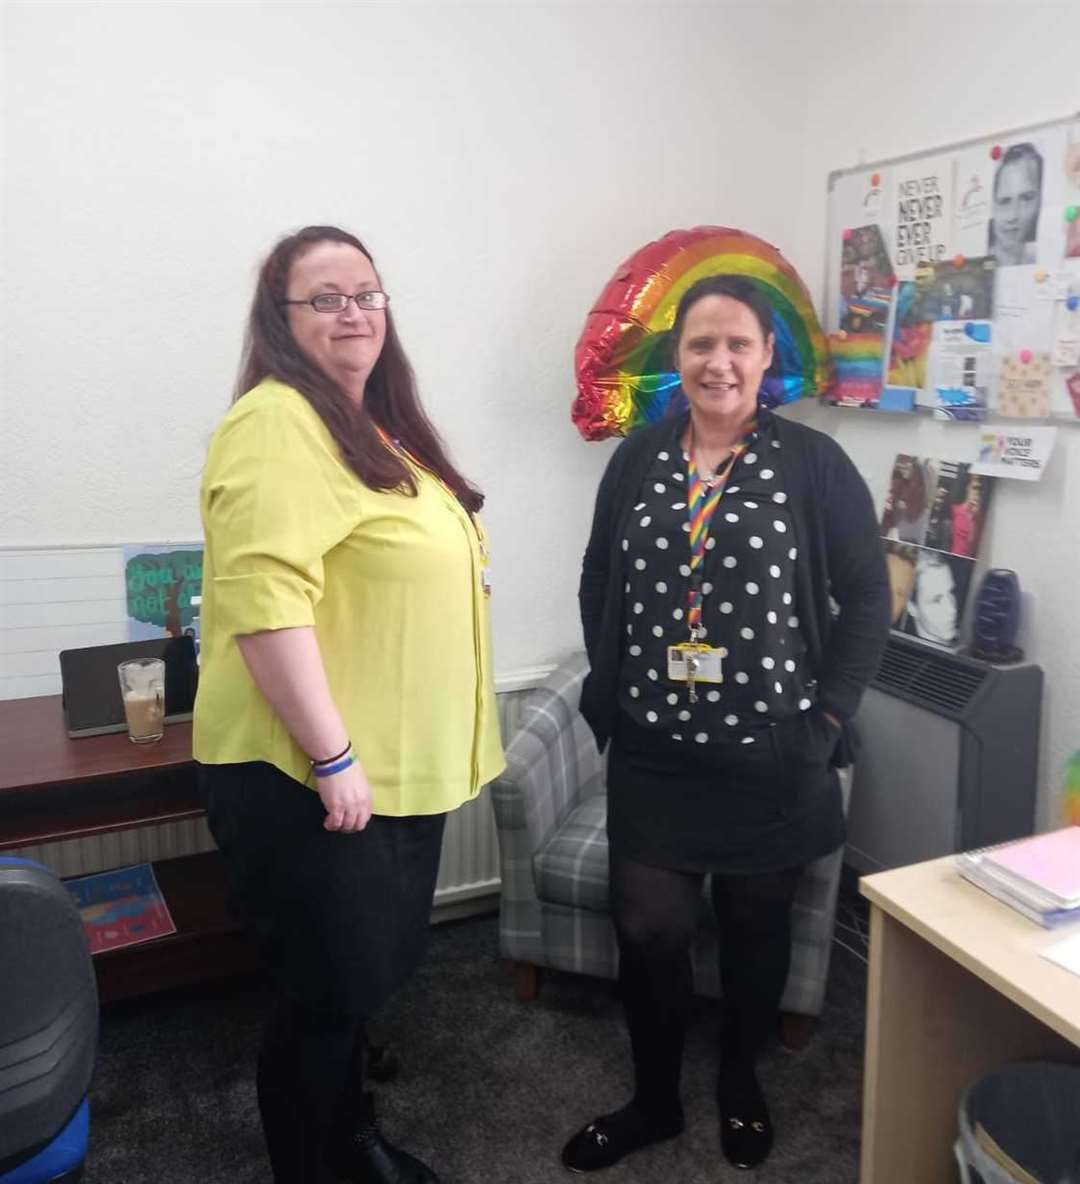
column 705, row 663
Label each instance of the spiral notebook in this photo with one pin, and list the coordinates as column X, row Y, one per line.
column 1048, row 863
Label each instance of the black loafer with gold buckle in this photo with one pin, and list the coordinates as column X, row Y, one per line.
column 607, row 1139
column 745, row 1142
column 746, row 1130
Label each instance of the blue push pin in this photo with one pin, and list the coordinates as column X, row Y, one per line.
column 1072, row 303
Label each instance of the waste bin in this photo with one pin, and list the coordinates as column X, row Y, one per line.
column 1021, row 1125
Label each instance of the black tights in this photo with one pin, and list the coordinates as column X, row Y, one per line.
column 311, row 1087
column 656, row 916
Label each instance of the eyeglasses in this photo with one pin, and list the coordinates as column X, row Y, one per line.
column 371, row 301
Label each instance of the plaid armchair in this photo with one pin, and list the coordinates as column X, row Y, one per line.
column 550, row 811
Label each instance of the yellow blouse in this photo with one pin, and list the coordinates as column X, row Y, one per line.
column 392, row 585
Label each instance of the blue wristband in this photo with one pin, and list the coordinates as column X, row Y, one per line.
column 337, row 767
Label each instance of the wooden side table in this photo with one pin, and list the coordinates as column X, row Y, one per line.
column 54, row 788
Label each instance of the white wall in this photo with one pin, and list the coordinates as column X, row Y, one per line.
column 499, row 160
column 956, row 71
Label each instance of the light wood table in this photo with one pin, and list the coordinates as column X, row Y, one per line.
column 956, row 988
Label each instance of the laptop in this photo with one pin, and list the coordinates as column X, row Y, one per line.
column 91, row 686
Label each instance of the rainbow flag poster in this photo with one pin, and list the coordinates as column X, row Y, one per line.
column 857, row 350
column 121, row 907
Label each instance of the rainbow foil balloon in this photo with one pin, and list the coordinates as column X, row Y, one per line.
column 622, row 360
column 1071, row 797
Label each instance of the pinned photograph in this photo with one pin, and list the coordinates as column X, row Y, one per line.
column 910, row 342
column 958, row 510
column 939, row 591
column 932, row 525
column 1015, row 205
column 866, row 281
column 955, row 290
column 906, row 514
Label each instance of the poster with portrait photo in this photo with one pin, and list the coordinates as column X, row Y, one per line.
column 1029, row 190
column 933, row 587
column 1016, row 200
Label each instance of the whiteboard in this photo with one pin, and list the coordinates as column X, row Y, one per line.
column 953, row 278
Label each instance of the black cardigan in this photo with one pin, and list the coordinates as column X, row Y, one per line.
column 840, row 556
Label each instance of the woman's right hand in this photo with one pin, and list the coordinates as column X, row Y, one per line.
column 346, row 797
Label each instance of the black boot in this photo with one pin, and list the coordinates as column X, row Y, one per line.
column 362, row 1155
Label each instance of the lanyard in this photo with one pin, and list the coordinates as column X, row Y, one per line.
column 701, row 503
column 396, row 446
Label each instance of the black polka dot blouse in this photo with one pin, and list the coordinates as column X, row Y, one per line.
column 748, row 603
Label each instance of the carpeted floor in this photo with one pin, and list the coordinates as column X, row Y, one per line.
column 489, row 1090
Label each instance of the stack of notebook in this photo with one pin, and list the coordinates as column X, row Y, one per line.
column 1039, row 876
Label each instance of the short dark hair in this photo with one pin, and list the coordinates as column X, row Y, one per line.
column 1017, row 154
column 390, row 399
column 736, row 287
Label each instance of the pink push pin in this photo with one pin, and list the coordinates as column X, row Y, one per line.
column 1025, row 356
column 995, row 152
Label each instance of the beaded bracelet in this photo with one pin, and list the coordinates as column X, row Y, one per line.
column 338, row 765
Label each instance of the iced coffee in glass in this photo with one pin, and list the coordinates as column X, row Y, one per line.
column 142, row 687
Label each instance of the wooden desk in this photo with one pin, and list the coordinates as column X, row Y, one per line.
column 956, row 988
column 54, row 788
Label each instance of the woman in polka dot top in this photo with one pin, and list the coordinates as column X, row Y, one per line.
column 722, row 540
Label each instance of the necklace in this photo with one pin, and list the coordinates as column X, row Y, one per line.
column 719, row 471
column 709, row 475
column 711, row 479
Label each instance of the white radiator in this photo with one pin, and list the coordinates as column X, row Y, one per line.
column 468, row 871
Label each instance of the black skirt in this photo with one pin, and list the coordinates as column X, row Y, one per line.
column 725, row 807
column 342, row 920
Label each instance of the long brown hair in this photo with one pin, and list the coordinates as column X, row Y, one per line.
column 390, row 397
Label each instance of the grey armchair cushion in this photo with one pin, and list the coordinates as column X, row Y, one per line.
column 572, row 866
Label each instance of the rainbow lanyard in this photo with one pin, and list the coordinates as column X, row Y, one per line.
column 396, row 446
column 701, row 503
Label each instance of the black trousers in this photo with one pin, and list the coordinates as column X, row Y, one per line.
column 342, row 921
column 656, row 913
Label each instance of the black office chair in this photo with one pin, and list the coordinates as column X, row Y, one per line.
column 48, row 1027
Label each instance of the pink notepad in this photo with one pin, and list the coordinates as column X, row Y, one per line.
column 1050, row 862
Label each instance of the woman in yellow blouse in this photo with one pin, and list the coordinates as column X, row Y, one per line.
column 346, row 700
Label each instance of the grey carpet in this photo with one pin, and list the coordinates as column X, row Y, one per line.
column 490, row 1088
